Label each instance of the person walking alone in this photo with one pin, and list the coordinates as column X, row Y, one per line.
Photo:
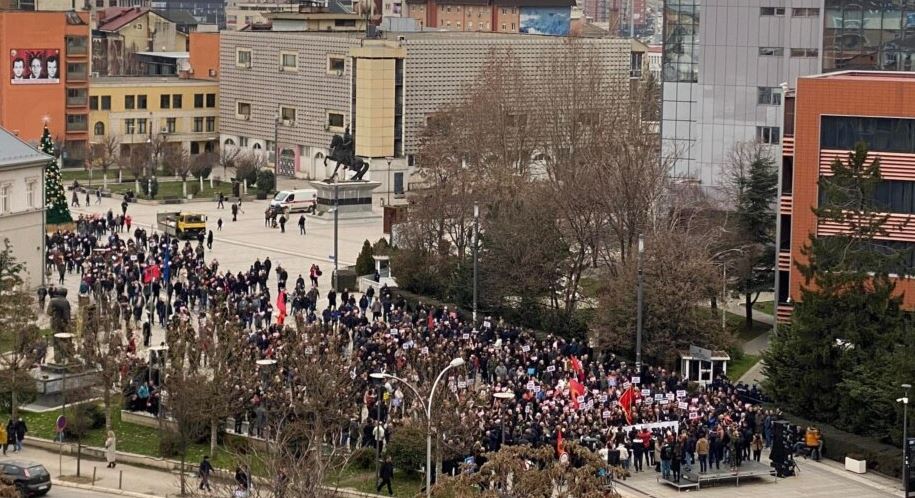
column 385, row 475
column 234, row 212
column 282, row 223
column 204, row 471
column 302, row 225
column 111, row 450
column 210, row 240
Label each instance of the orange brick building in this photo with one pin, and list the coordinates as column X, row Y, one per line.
column 204, row 55
column 45, row 77
column 826, row 116
column 498, row 16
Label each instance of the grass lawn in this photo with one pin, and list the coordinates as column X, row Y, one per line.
column 739, row 367
column 6, row 340
column 131, row 438
column 767, row 307
column 737, row 325
column 173, row 189
column 404, row 485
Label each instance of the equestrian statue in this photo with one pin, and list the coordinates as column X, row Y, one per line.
column 342, row 150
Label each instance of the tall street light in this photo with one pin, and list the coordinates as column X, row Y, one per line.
column 503, row 395
column 476, row 264
column 638, row 322
column 905, row 439
column 457, row 362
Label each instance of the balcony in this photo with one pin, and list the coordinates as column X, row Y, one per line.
column 785, row 204
column 788, row 145
column 77, row 46
column 783, row 312
column 77, row 76
column 784, row 261
column 77, row 124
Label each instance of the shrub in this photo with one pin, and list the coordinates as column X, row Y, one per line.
column 365, row 264
column 84, row 418
column 247, row 171
column 169, row 444
column 363, row 458
column 381, row 248
column 407, row 447
column 266, row 181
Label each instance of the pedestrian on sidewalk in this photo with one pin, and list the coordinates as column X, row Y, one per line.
column 98, row 196
column 3, row 438
column 111, row 449
column 220, row 202
column 203, row 472
column 219, row 225
column 74, row 199
column 234, row 212
column 210, row 240
column 282, row 223
column 302, row 224
column 21, row 430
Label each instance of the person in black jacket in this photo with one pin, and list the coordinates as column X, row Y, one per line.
column 203, row 471
column 385, row 476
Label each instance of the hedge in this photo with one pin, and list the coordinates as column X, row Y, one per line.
column 837, row 444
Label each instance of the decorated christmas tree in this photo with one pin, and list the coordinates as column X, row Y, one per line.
column 55, row 198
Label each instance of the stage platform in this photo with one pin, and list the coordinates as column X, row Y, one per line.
column 693, row 479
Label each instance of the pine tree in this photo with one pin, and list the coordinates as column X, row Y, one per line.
column 848, row 322
column 57, row 211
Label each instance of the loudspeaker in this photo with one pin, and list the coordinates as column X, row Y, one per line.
column 909, row 466
column 782, row 448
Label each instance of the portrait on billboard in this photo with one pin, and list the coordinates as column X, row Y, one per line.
column 37, row 66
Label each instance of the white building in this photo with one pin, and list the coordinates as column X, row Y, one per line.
column 722, row 69
column 21, row 203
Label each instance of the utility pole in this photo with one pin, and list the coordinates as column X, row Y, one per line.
column 638, row 325
column 476, row 264
column 905, row 441
column 336, row 230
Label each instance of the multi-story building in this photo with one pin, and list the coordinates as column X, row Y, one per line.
column 137, row 108
column 383, row 89
column 551, row 17
column 723, row 66
column 824, row 120
column 46, row 78
column 22, row 203
column 868, row 35
column 123, row 32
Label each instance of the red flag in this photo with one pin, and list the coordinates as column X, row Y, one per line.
column 559, row 449
column 576, row 389
column 576, row 365
column 626, row 402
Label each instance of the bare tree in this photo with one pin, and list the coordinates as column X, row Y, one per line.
column 228, row 155
column 202, row 167
column 137, row 162
column 104, row 155
column 179, row 162
column 17, row 328
column 102, row 347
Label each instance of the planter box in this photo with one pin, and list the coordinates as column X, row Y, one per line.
column 856, row 466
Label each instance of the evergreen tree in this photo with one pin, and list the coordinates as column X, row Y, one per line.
column 832, row 363
column 365, row 263
column 55, row 199
column 756, row 218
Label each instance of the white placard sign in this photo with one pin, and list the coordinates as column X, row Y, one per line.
column 646, row 392
column 526, row 349
column 636, row 380
column 682, row 405
column 681, row 393
column 551, row 368
column 670, row 396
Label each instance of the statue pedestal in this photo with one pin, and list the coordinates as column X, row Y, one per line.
column 353, row 201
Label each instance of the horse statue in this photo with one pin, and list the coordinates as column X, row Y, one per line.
column 343, row 152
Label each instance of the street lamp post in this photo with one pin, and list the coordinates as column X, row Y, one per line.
column 503, row 395
column 457, row 362
column 476, row 263
column 905, row 439
column 638, row 323
column 276, row 145
column 336, row 231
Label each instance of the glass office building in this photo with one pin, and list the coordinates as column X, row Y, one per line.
column 868, row 35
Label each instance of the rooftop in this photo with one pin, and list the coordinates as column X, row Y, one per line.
column 898, row 76
column 167, row 55
column 14, row 151
column 149, row 80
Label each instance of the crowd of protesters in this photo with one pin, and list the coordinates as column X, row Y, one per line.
column 556, row 389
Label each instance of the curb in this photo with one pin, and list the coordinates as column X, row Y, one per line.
column 99, row 489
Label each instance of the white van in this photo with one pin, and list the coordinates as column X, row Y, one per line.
column 296, row 200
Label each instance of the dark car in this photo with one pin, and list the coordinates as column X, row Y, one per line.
column 31, row 479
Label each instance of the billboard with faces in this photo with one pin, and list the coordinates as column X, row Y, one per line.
column 35, row 66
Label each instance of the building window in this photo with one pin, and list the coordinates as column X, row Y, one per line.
column 242, row 141
column 771, row 11
column 198, row 101
column 513, row 26
column 805, row 12
column 805, row 52
column 243, row 110
column 106, row 102
column 771, row 51
column 176, row 101
column 766, row 95
column 198, row 125
column 336, row 64
column 171, row 124
column 458, row 24
column 335, row 121
column 195, row 148
column 243, row 58
column 211, row 100
column 4, row 198
column 31, row 193
column 93, row 103
column 141, row 126
column 289, row 61
column 770, row 135
column 77, row 122
column 287, row 115
column 129, row 102
column 211, row 123
column 99, row 129
column 141, row 101
column 130, row 126
column 503, row 26
column 398, row 183
column 165, row 101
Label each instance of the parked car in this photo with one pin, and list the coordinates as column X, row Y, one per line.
column 31, row 479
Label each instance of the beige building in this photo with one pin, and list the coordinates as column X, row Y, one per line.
column 313, row 85
column 21, row 203
column 135, row 108
column 122, row 32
